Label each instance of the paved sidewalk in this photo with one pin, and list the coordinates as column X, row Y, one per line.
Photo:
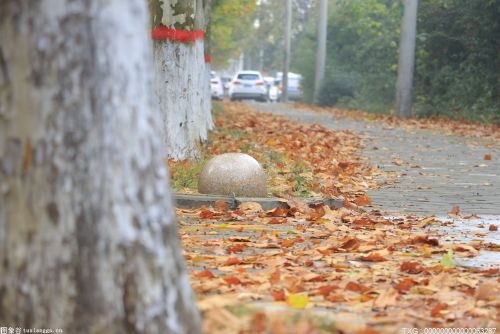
column 433, row 172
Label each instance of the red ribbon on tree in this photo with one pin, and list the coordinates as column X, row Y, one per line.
column 208, row 58
column 162, row 33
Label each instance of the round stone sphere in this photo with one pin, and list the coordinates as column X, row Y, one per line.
column 236, row 173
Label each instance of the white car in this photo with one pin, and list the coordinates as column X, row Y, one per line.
column 216, row 86
column 248, row 85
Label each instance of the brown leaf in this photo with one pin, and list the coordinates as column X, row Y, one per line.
column 493, row 228
column 405, row 285
column 275, row 277
column 351, row 244
column 232, row 261
column 487, row 156
column 411, row 267
column 206, row 214
column 356, row 287
column 238, row 248
column 373, row 257
column 276, row 221
column 325, row 290
column 423, row 239
column 316, row 213
column 221, row 206
column 278, row 212
column 232, row 280
column 204, row 274
column 436, row 310
column 318, row 278
column 288, row 242
column 278, row 295
column 455, row 211
column 335, row 298
column 363, row 200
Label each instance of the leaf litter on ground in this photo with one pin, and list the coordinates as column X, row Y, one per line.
column 316, row 269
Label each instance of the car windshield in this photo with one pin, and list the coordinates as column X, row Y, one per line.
column 248, row 76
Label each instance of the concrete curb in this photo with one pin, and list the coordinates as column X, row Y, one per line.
column 190, row 201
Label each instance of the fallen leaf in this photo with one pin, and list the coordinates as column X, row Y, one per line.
column 275, row 277
column 387, row 298
column 411, row 267
column 455, row 211
column 278, row 295
column 487, row 290
column 204, row 274
column 231, row 261
column 278, row 212
column 297, row 300
column 250, row 207
column 372, row 257
column 356, row 287
column 436, row 310
column 206, row 214
column 351, row 244
column 238, row 248
column 448, row 261
column 221, row 206
column 487, row 156
column 405, row 285
column 231, row 280
column 363, row 200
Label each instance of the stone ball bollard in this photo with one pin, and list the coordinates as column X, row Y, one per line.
column 230, row 173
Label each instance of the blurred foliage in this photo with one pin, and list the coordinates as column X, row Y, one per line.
column 231, row 27
column 458, row 59
column 361, row 55
column 457, row 72
column 336, row 86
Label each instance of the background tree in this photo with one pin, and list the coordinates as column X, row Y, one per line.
column 87, row 230
column 362, row 55
column 181, row 77
column 406, row 62
column 230, row 29
column 458, row 61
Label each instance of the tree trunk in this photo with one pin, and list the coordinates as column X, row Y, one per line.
column 406, row 61
column 88, row 241
column 321, row 51
column 182, row 81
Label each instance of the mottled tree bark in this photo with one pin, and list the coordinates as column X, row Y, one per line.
column 182, row 80
column 88, row 241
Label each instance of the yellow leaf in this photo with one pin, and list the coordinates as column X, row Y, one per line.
column 297, row 300
column 447, row 261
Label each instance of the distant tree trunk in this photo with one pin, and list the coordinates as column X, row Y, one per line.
column 181, row 77
column 406, row 62
column 88, row 240
column 286, row 60
column 321, row 53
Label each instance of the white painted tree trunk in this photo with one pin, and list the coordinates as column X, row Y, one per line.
column 88, row 241
column 182, row 83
